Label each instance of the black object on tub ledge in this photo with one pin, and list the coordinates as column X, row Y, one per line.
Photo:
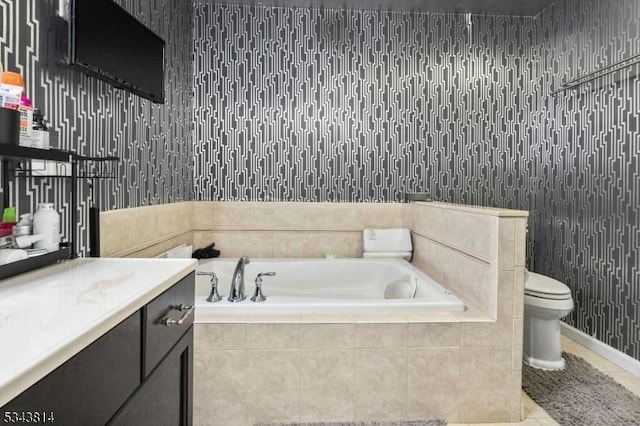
column 9, row 126
column 35, row 262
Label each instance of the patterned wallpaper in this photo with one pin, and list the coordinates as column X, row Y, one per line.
column 333, row 105
column 92, row 118
column 590, row 191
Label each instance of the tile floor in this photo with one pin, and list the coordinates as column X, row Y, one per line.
column 536, row 416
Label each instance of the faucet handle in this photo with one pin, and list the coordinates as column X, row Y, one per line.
column 258, row 296
column 213, row 295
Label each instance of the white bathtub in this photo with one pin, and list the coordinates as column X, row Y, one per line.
column 318, row 285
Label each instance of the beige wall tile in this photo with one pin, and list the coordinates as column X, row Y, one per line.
column 273, row 386
column 466, row 276
column 115, row 232
column 237, row 243
column 327, row 335
column 297, row 216
column 229, row 215
column 425, row 255
column 147, row 225
column 204, row 238
column 203, row 214
column 327, row 385
column 160, row 248
column 469, row 232
column 485, row 385
column 342, row 244
column 433, row 383
column 174, row 218
column 506, row 243
column 219, row 388
column 506, row 282
column 498, row 333
column 290, row 245
column 380, row 384
column 273, row 336
column 518, row 338
column 521, row 241
column 516, row 396
column 436, row 334
column 264, row 216
column 518, row 292
column 381, row 335
column 220, row 336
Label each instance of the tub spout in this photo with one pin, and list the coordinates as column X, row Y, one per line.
column 236, row 293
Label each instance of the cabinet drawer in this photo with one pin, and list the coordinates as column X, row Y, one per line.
column 92, row 385
column 159, row 338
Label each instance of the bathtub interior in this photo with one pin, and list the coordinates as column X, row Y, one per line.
column 337, row 281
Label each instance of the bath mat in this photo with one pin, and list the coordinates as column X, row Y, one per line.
column 397, row 423
column 580, row 395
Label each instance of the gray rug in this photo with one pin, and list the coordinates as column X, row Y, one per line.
column 401, row 423
column 580, row 395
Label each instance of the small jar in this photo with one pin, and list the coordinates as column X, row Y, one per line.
column 46, row 222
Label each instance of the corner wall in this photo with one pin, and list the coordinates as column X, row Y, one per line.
column 589, row 137
column 92, row 118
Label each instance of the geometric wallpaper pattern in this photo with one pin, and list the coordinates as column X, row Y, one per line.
column 590, row 137
column 334, row 105
column 92, row 118
column 344, row 105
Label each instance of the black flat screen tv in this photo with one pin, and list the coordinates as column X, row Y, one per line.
column 106, row 42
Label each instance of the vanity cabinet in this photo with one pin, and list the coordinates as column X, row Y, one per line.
column 140, row 372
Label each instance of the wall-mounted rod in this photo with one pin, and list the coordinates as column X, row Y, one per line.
column 598, row 73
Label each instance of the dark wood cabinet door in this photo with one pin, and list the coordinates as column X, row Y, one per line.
column 92, row 385
column 158, row 338
column 166, row 396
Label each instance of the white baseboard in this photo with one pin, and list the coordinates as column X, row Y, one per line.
column 615, row 356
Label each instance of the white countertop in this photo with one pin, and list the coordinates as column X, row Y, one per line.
column 49, row 315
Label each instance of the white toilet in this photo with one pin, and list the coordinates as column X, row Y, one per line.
column 545, row 301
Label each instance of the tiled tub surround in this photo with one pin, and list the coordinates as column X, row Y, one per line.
column 460, row 367
column 145, row 231
column 290, row 230
column 255, row 229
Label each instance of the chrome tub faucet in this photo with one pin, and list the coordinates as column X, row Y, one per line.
column 236, row 293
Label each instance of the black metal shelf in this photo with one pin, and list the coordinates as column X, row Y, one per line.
column 16, row 162
column 15, row 152
column 35, row 262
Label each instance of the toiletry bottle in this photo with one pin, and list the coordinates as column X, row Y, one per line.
column 8, row 221
column 40, row 134
column 46, row 221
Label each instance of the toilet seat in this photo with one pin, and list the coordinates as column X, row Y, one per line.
column 565, row 304
column 545, row 287
column 550, row 296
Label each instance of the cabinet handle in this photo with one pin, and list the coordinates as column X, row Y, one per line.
column 187, row 309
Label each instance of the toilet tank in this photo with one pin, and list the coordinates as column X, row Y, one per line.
column 395, row 242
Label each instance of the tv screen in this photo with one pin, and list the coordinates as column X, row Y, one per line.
column 108, row 43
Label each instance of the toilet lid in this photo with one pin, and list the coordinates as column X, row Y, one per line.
column 546, row 287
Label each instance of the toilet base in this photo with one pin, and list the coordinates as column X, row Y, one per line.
column 544, row 364
column 541, row 346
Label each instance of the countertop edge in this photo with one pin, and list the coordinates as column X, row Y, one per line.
column 45, row 365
